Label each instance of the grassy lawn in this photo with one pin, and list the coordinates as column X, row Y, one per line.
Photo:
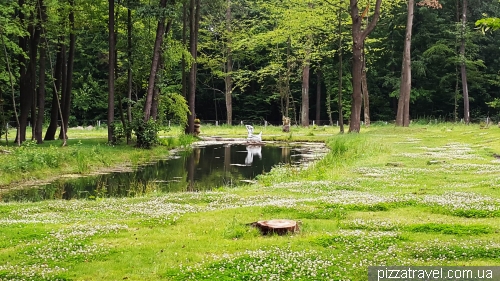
column 425, row 195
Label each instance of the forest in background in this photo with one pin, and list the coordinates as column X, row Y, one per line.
column 232, row 60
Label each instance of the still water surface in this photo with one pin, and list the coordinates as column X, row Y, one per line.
column 200, row 168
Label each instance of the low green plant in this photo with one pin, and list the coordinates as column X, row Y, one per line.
column 145, row 132
column 237, row 230
column 119, row 132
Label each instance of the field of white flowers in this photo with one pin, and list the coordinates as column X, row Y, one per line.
column 388, row 196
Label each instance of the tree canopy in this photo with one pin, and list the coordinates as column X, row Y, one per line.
column 254, row 61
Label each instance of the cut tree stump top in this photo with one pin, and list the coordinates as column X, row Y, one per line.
column 278, row 226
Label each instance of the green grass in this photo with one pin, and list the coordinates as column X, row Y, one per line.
column 87, row 151
column 372, row 200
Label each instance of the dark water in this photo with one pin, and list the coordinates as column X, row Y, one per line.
column 202, row 168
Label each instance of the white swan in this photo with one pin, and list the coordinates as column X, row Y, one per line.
column 251, row 137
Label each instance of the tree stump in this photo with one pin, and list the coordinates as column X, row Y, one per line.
column 280, row 227
column 286, row 124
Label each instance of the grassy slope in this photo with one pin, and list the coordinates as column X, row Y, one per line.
column 388, row 196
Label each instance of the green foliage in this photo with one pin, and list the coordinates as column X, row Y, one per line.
column 29, row 157
column 237, row 230
column 146, row 132
column 494, row 104
column 173, row 106
column 118, row 132
column 487, row 23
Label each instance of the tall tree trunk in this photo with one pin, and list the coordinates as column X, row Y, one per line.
column 66, row 91
column 193, row 47
column 160, row 31
column 111, row 69
column 33, row 64
column 359, row 37
column 463, row 68
column 156, row 93
column 318, row 96
column 12, row 92
column 50, row 134
column 41, row 82
column 341, row 114
column 21, row 126
column 457, row 73
column 366, row 96
column 129, row 73
column 154, row 104
column 184, row 43
column 403, row 114
column 27, row 74
column 229, row 67
column 455, row 96
column 287, row 78
column 354, row 124
column 305, row 92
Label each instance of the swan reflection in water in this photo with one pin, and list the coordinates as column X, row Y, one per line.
column 251, row 151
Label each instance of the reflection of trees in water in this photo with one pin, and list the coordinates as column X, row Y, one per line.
column 193, row 160
column 285, row 154
column 197, row 169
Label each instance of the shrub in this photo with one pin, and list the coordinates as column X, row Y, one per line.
column 118, row 132
column 146, row 132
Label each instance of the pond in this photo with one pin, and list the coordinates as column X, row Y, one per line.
column 199, row 168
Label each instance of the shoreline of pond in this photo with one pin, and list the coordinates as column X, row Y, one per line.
column 312, row 151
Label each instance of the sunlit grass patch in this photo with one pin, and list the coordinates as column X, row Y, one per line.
column 371, row 224
column 45, row 256
column 451, row 151
column 439, row 250
column 464, row 204
column 305, row 212
column 353, row 240
column 31, row 272
column 265, row 264
column 453, row 229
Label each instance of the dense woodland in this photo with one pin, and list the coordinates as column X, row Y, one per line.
column 138, row 63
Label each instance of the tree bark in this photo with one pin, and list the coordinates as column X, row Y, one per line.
column 12, row 92
column 359, row 37
column 318, row 96
column 154, row 104
column 160, row 32
column 341, row 114
column 111, row 69
column 463, row 68
column 50, row 134
column 34, row 46
column 66, row 91
column 41, row 82
column 156, row 93
column 366, row 96
column 193, row 47
column 305, row 92
column 287, row 78
column 129, row 73
column 403, row 113
column 229, row 67
column 27, row 72
column 184, row 43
